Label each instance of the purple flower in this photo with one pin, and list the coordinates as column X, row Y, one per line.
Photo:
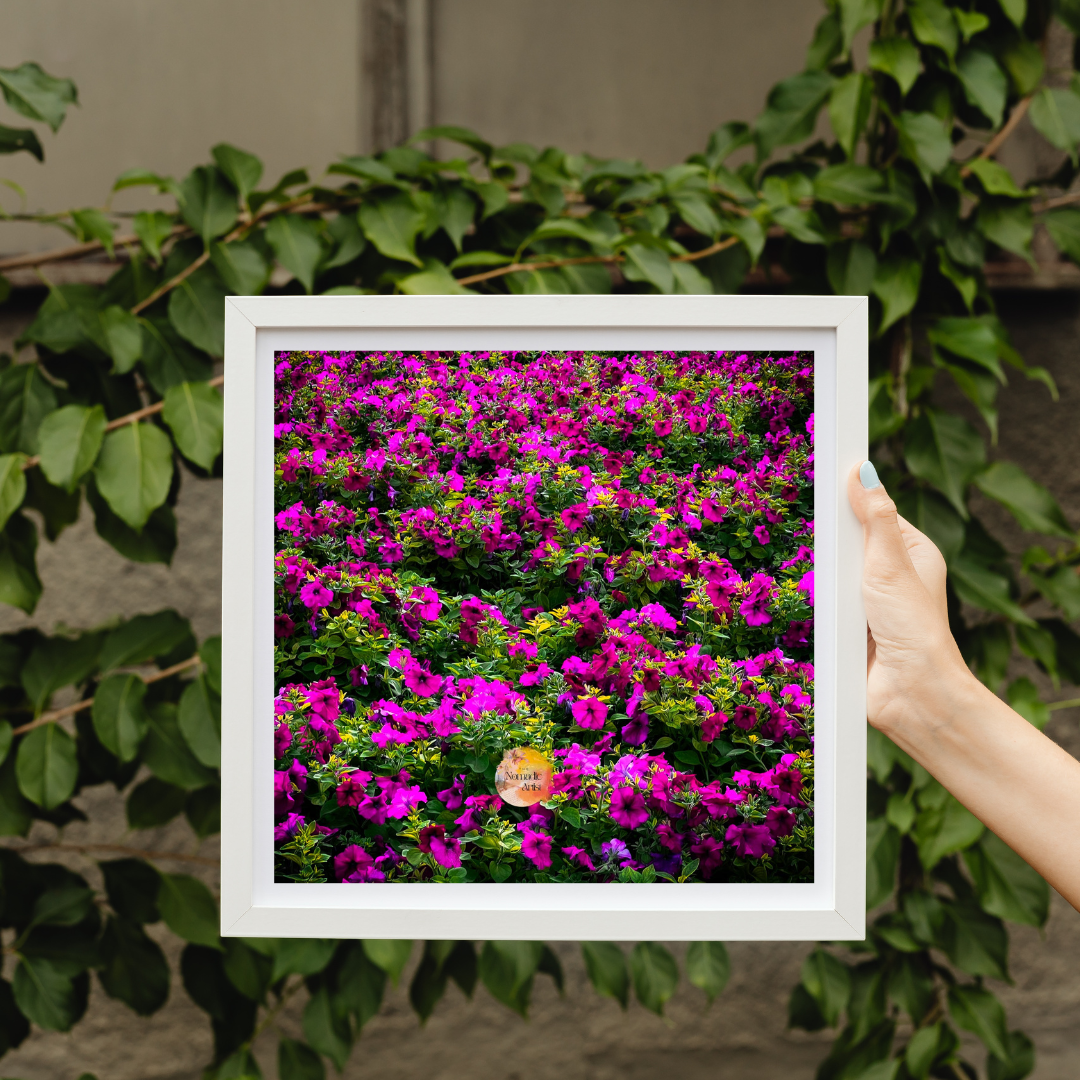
column 445, row 849
column 662, row 427
column 391, row 552
column 536, row 846
column 755, row 608
column 283, row 626
column 288, row 828
column 453, row 796
column 750, row 841
column 745, row 717
column 806, row 585
column 421, row 681
column 315, row 595
column 637, row 731
column 426, row 603
column 579, row 856
column 616, row 849
column 761, row 535
column 354, row 864
column 589, row 713
column 283, row 738
column 628, row 808
column 658, row 616
column 573, row 517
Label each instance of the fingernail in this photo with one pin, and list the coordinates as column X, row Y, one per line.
column 868, row 475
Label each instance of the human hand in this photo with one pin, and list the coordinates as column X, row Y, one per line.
column 911, row 654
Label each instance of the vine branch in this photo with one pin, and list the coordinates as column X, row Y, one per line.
column 83, row 848
column 995, row 144
column 78, row 706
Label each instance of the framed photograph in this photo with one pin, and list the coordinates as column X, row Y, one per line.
column 542, row 617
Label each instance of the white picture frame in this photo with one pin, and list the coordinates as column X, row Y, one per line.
column 831, row 907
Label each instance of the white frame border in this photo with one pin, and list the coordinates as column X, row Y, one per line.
column 832, row 907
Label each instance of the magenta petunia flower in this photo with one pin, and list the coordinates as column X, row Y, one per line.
column 779, row 821
column 315, row 595
column 573, row 517
column 536, row 846
column 806, row 585
column 637, row 731
column 421, row 681
column 391, row 552
column 283, row 626
column 755, row 608
column 356, row 864
column 445, row 849
column 628, row 808
column 426, row 603
column 589, row 713
column 579, row 856
column 662, row 427
column 745, row 717
column 761, row 535
column 750, row 841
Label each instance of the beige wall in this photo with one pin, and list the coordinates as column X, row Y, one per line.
column 643, row 79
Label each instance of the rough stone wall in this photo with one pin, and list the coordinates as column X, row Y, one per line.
column 579, row 1036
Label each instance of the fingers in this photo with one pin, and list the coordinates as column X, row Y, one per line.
column 928, row 562
column 885, row 544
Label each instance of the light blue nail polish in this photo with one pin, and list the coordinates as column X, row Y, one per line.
column 868, row 475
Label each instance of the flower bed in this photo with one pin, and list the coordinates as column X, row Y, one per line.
column 602, row 559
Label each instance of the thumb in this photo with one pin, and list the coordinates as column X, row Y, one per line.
column 887, row 558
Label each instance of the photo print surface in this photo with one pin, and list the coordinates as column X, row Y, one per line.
column 543, row 617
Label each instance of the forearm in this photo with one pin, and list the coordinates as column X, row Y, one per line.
column 1019, row 783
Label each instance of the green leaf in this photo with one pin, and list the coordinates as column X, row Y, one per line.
column 56, row 662
column 189, row 910
column 752, row 234
column 1008, row 224
column 695, row 209
column 240, row 266
column 933, row 24
column 367, row 168
column 791, row 111
column 851, row 267
column 849, row 109
column 507, row 969
column 58, row 508
column 1023, row 60
column 946, row 451
column 973, row 339
column 297, row 245
column 979, row 1012
column 20, row 585
column 1056, row 115
column 243, row 170
column 985, row 84
column 854, row 15
column 37, row 96
column 247, row 968
column 168, row 359
column 689, row 280
column 896, row 284
column 1006, row 885
column 46, row 994
column 655, row 975
column 69, row 441
column 65, row 905
column 970, row 22
column 131, row 886
column 301, row 956
column 120, row 335
column 826, row 45
column 143, row 638
column 828, row 981
column 202, row 808
column 25, row 400
column 12, row 140
column 195, row 415
column 649, row 264
column 197, row 310
column 898, row 58
column 605, row 965
column 708, row 967
column 995, row 179
column 210, row 654
column 462, row 135
column 850, row 185
column 12, row 485
column 455, row 209
column 1038, row 643
column 941, row 831
column 882, row 855
column 1029, row 502
column 45, row 766
column 1061, row 588
column 349, row 240
column 391, row 224
column 199, row 717
column 924, row 1048
column 154, row 803
column 434, row 279
column 297, row 1061
column 1015, row 11
column 1020, row 1062
column 924, row 140
column 208, row 202
column 1063, row 225
column 92, row 224
column 153, row 228
column 326, row 1027
column 167, row 754
column 119, row 716
column 389, row 955
column 983, row 588
column 134, row 969
column 134, row 470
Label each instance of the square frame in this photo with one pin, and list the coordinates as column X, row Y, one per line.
column 830, row 907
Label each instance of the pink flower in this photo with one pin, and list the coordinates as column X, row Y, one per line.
column 537, row 674
column 662, row 427
column 445, row 849
column 628, row 808
column 283, row 626
column 806, row 585
column 391, row 552
column 421, row 681
column 637, row 731
column 761, row 535
column 712, row 511
column 355, row 864
column 536, row 846
column 658, row 616
column 283, row 738
column 708, row 850
column 315, row 595
column 712, row 725
column 750, row 841
column 426, row 603
column 579, row 856
column 745, row 717
column 589, row 713
column 779, row 821
column 755, row 608
column 574, row 516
